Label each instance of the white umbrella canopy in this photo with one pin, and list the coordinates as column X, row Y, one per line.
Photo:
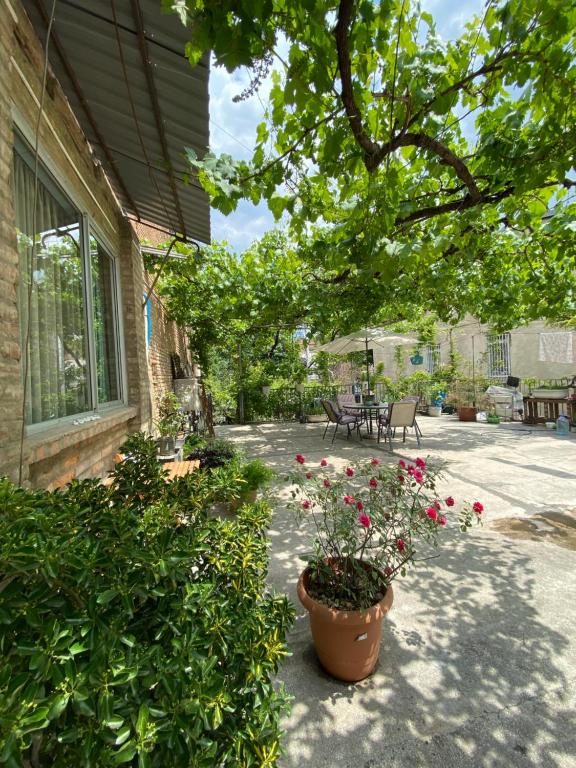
column 360, row 341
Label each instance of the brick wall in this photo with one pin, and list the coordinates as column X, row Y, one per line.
column 167, row 339
column 58, row 453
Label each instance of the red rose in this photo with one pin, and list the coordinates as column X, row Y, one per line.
column 349, row 471
column 437, row 505
column 401, row 544
column 418, row 476
column 477, row 507
column 308, row 475
column 441, row 520
column 432, row 514
column 449, row 501
column 364, row 520
column 323, row 463
column 375, row 462
column 348, row 499
column 299, row 458
column 326, row 483
column 305, row 504
column 359, row 506
column 373, row 483
column 402, row 464
column 420, row 463
column 401, row 478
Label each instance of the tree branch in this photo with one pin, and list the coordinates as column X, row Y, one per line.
column 433, row 145
column 345, row 69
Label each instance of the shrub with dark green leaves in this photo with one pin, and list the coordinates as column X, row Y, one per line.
column 135, row 631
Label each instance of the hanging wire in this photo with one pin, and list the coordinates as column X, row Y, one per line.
column 32, row 257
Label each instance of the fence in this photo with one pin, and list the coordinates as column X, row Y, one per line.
column 287, row 404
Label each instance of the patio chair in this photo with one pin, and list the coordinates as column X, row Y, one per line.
column 335, row 416
column 344, row 401
column 400, row 414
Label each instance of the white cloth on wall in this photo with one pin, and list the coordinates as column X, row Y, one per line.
column 556, row 347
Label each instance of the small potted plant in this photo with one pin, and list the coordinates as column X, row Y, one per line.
column 253, row 476
column 437, row 397
column 168, row 422
column 368, row 521
column 463, row 398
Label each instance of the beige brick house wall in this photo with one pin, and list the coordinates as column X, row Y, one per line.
column 56, row 453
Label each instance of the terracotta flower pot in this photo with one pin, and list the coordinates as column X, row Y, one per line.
column 467, row 413
column 346, row 642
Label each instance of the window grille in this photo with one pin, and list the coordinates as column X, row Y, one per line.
column 432, row 357
column 498, row 348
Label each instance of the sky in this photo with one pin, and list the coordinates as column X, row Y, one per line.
column 233, row 126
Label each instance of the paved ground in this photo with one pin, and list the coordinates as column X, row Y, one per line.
column 478, row 659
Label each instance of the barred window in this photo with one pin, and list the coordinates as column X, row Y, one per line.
column 498, row 348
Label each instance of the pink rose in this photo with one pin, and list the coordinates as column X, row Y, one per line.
column 299, row 458
column 449, row 501
column 420, row 463
column 308, row 475
column 326, row 483
column 348, row 499
column 432, row 514
column 359, row 506
column 437, row 505
column 411, row 469
column 441, row 520
column 373, row 483
column 305, row 504
column 323, row 463
column 375, row 462
column 401, row 544
column 478, row 508
column 402, row 464
column 364, row 520
column 349, row 471
column 418, row 476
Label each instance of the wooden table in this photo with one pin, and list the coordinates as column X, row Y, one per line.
column 538, row 410
column 173, row 469
column 180, row 468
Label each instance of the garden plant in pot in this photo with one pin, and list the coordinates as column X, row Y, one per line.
column 368, row 520
column 252, row 476
column 169, row 422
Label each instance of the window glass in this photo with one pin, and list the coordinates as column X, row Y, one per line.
column 51, row 295
column 105, row 322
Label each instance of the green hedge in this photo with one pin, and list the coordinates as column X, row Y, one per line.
column 133, row 629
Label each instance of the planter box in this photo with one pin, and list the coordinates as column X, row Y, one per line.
column 550, row 394
column 467, row 413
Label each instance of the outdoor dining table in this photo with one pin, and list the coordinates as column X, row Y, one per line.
column 368, row 410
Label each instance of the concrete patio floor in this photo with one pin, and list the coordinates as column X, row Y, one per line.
column 478, row 658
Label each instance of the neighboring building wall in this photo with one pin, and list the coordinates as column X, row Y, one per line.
column 55, row 453
column 469, row 340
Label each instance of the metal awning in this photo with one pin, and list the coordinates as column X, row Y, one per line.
column 122, row 66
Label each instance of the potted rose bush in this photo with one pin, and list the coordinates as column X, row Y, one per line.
column 369, row 519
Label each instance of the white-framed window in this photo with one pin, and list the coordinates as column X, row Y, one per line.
column 498, row 355
column 68, row 305
column 431, row 357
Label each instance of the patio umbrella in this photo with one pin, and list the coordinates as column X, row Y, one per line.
column 360, row 340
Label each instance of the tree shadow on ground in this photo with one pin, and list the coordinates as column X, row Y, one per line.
column 473, row 672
